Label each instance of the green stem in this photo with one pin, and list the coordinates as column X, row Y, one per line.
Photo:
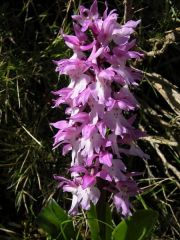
column 101, row 209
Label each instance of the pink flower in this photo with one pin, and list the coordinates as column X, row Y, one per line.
column 115, row 120
column 98, row 100
column 122, row 203
column 121, row 33
column 125, row 190
column 107, row 28
column 81, row 196
column 87, row 17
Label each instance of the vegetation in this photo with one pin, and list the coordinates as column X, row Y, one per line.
column 29, row 41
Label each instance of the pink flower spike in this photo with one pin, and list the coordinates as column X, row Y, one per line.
column 99, row 127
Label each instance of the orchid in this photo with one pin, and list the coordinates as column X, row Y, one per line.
column 97, row 131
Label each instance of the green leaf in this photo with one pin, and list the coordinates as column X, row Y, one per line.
column 136, row 227
column 56, row 222
column 93, row 223
column 105, row 222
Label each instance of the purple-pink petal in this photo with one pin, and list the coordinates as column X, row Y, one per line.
column 88, row 181
column 106, row 158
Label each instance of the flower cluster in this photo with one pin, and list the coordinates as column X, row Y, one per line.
column 99, row 129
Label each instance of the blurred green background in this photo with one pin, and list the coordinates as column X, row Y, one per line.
column 29, row 41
